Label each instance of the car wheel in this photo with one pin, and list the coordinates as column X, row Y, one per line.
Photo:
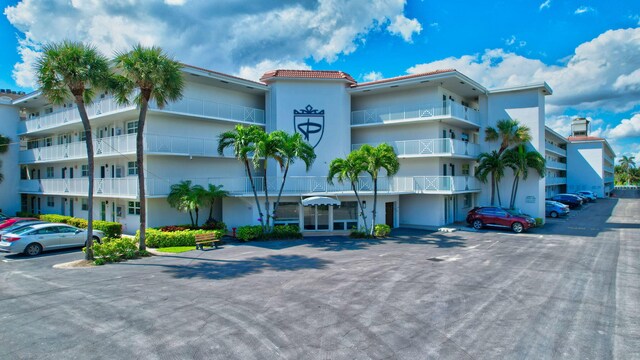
column 517, row 227
column 33, row 249
column 97, row 240
column 554, row 214
column 477, row 224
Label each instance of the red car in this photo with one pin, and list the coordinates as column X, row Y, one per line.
column 11, row 221
column 482, row 216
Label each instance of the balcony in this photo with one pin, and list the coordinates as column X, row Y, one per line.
column 608, row 179
column 465, row 116
column 554, row 149
column 108, row 105
column 549, row 181
column 124, row 144
column 608, row 159
column 556, row 165
column 608, row 169
column 295, row 185
column 431, row 148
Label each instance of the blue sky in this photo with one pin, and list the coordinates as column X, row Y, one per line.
column 588, row 51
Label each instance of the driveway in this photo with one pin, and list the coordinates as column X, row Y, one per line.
column 569, row 290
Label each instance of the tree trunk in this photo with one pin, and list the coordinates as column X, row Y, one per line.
column 90, row 164
column 512, row 199
column 255, row 193
column 364, row 217
column 197, row 209
column 284, row 178
column 140, row 163
column 191, row 217
column 375, row 200
column 493, row 190
column 266, row 197
column 211, row 210
column 498, row 193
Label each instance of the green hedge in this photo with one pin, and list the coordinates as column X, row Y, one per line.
column 254, row 232
column 382, row 230
column 115, row 250
column 26, row 214
column 110, row 229
column 156, row 238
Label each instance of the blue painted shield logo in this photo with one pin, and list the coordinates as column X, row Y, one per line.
column 309, row 122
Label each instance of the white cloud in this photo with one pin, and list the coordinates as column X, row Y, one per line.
column 627, row 128
column 545, row 5
column 510, row 41
column 224, row 36
column 372, row 76
column 601, row 74
column 256, row 71
column 583, row 10
column 405, row 27
column 635, row 18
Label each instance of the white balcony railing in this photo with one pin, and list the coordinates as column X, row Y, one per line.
column 239, row 186
column 608, row 169
column 124, row 144
column 108, row 105
column 556, row 165
column 608, row 159
column 427, row 147
column 555, row 149
column 435, row 111
column 608, row 179
column 555, row 181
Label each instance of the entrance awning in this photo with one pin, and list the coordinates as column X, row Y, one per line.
column 320, row 200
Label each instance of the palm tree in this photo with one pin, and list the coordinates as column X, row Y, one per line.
column 491, row 164
column 291, row 147
column 627, row 163
column 186, row 198
column 158, row 78
column 349, row 169
column 4, row 147
column 381, row 157
column 266, row 146
column 508, row 132
column 243, row 140
column 75, row 70
column 210, row 195
column 520, row 160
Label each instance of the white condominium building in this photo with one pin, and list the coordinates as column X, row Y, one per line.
column 435, row 121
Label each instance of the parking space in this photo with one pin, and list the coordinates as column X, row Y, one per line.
column 558, row 291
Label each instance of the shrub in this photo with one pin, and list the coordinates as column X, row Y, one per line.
column 156, row 238
column 358, row 233
column 172, row 228
column 26, row 214
column 214, row 225
column 115, row 250
column 77, row 222
column 110, row 229
column 539, row 222
column 382, row 230
column 55, row 218
column 284, row 232
column 249, row 232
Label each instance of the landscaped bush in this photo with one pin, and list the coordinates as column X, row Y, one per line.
column 539, row 222
column 284, row 232
column 358, row 233
column 214, row 225
column 26, row 214
column 249, row 232
column 156, row 238
column 110, row 229
column 381, row 230
column 115, row 250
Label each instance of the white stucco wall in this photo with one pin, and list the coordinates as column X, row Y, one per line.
column 9, row 197
column 584, row 167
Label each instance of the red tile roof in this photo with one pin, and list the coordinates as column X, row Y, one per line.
column 307, row 74
column 584, row 138
column 435, row 72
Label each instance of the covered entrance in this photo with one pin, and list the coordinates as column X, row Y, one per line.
column 318, row 213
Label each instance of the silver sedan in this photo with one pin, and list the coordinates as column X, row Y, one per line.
column 36, row 238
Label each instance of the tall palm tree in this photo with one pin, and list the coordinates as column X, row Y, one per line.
column 291, row 147
column 381, row 157
column 627, row 163
column 157, row 78
column 508, row 132
column 75, row 70
column 186, row 198
column 243, row 140
column 266, row 147
column 4, row 147
column 491, row 165
column 349, row 169
column 209, row 196
column 520, row 160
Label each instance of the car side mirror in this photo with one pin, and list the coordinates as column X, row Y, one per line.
column 78, row 231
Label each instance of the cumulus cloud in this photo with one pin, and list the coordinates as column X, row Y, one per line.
column 545, row 5
column 511, row 40
column 583, row 10
column 372, row 76
column 224, row 36
column 601, row 74
column 627, row 128
column 257, row 70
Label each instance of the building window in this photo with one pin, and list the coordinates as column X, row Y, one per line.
column 32, row 144
column 48, row 141
column 132, row 127
column 49, row 172
column 132, row 168
column 51, row 201
column 134, row 207
column 287, row 213
column 465, row 169
column 466, row 201
column 83, row 136
column 345, row 216
column 84, row 170
column 84, row 204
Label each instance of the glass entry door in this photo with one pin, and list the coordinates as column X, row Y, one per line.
column 316, row 217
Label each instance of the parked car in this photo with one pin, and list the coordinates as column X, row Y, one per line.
column 479, row 217
column 19, row 225
column 589, row 195
column 14, row 220
column 555, row 209
column 572, row 200
column 34, row 239
column 3, row 217
column 582, row 197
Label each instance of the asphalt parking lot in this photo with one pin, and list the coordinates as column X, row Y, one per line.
column 568, row 290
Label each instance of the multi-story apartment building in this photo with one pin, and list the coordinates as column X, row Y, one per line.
column 556, row 163
column 435, row 121
column 591, row 161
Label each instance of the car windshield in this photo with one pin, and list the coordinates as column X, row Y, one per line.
column 17, row 226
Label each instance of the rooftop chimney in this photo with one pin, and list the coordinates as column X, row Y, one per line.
column 580, row 127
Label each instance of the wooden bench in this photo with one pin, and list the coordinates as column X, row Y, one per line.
column 208, row 238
